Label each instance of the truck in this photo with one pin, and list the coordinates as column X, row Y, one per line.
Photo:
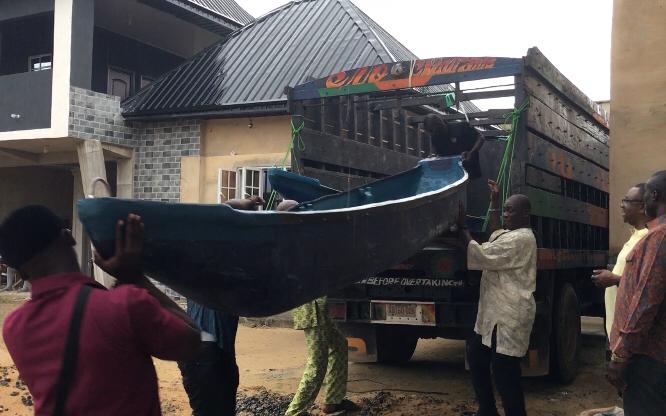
column 550, row 142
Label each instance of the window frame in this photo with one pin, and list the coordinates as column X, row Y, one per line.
column 40, row 56
column 241, row 179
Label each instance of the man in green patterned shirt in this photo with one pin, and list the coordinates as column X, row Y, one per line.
column 327, row 355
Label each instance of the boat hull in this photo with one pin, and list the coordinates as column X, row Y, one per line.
column 263, row 263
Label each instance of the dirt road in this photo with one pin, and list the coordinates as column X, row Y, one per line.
column 434, row 382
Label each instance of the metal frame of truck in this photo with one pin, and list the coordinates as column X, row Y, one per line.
column 364, row 124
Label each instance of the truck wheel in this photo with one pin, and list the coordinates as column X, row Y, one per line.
column 394, row 345
column 566, row 335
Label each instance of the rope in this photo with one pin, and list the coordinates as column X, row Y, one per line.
column 297, row 141
column 504, row 174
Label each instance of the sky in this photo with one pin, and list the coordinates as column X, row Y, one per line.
column 575, row 35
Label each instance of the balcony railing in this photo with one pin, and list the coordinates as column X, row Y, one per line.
column 25, row 101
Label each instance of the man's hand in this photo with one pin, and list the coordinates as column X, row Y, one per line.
column 125, row 265
column 616, row 375
column 604, row 278
column 249, row 204
column 463, row 233
column 494, row 191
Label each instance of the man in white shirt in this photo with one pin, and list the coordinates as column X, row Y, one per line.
column 633, row 213
column 506, row 303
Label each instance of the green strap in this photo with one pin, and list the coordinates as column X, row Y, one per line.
column 296, row 141
column 506, row 165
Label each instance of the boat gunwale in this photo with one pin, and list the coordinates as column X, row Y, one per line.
column 357, row 208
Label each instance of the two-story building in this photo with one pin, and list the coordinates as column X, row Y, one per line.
column 65, row 66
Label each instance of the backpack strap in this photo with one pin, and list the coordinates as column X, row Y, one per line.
column 71, row 351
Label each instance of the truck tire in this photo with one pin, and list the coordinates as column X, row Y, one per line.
column 565, row 335
column 395, row 345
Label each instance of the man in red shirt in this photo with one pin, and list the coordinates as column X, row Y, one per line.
column 120, row 329
column 638, row 335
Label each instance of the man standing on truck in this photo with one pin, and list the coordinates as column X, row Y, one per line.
column 633, row 213
column 638, row 337
column 456, row 138
column 506, row 303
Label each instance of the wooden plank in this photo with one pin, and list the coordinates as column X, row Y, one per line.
column 361, row 122
column 408, row 134
column 397, row 131
column 539, row 63
column 499, row 113
column 481, row 95
column 382, row 130
column 336, row 151
column 542, row 179
column 554, row 259
column 495, row 133
column 322, row 114
column 540, row 91
column 545, row 121
column 520, row 152
column 493, row 114
column 372, row 138
column 487, row 122
column 435, row 100
column 566, row 164
column 546, row 204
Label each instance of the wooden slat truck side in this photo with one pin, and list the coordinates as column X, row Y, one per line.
column 365, row 124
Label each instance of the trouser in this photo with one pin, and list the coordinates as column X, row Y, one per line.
column 327, row 355
column 506, row 371
column 646, row 387
column 211, row 381
column 11, row 277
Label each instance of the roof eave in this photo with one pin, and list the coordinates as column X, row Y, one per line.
column 268, row 108
column 204, row 18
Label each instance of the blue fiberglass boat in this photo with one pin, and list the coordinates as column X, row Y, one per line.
column 263, row 263
column 297, row 187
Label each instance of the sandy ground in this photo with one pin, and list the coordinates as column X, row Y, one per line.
column 433, row 383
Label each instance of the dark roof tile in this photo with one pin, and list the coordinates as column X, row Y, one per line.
column 302, row 40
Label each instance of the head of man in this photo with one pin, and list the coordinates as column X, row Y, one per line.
column 516, row 212
column 34, row 241
column 286, row 205
column 655, row 195
column 435, row 126
column 633, row 206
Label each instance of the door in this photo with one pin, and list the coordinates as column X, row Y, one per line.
column 120, row 83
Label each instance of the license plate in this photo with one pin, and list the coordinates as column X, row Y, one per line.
column 400, row 310
column 403, row 313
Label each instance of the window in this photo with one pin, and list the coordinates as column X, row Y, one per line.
column 242, row 182
column 40, row 62
column 119, row 83
column 252, row 182
column 227, row 185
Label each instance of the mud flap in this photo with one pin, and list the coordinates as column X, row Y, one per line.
column 361, row 341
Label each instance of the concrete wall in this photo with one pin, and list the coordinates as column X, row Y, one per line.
column 19, row 8
column 160, row 148
column 36, row 185
column 231, row 144
column 638, row 95
column 93, row 115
